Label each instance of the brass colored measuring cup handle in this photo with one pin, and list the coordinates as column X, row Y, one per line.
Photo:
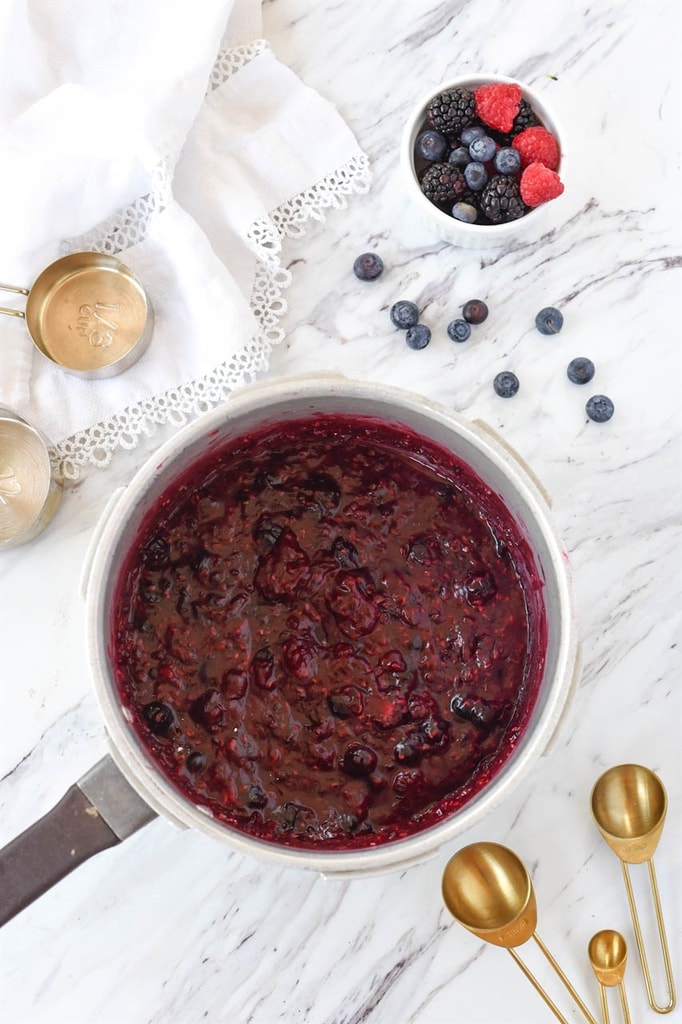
column 17, row 291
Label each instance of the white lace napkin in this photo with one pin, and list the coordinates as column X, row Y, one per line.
column 170, row 137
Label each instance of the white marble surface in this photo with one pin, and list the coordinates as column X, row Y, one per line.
column 171, row 926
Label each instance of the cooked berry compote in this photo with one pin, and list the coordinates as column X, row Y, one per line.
column 330, row 633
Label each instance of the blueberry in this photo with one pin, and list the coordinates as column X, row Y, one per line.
column 599, row 408
column 507, row 161
column 431, row 145
column 346, row 702
column 465, row 212
column 159, row 717
column 459, row 157
column 256, row 797
column 476, row 176
column 404, row 314
column 580, row 370
column 549, row 320
column 459, row 330
column 196, row 761
column 482, row 149
column 368, row 266
column 475, row 311
column 469, row 134
column 418, row 336
column 506, row 384
column 358, row 760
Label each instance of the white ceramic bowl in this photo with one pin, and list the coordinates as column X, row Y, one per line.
column 476, row 236
column 491, row 460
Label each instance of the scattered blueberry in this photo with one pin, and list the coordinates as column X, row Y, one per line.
column 475, row 176
column 459, row 330
column 599, row 408
column 159, row 717
column 469, row 134
column 549, row 320
column 507, row 160
column 482, row 149
column 368, row 266
column 431, row 145
column 506, row 384
column 475, row 311
column 404, row 314
column 465, row 212
column 358, row 760
column 459, row 157
column 418, row 336
column 580, row 370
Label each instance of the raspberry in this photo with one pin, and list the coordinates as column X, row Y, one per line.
column 537, row 145
column 539, row 184
column 497, row 105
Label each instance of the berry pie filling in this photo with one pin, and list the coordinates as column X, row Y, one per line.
column 330, row 633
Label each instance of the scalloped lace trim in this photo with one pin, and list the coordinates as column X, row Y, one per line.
column 97, row 445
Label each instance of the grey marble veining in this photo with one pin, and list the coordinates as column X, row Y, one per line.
column 173, row 927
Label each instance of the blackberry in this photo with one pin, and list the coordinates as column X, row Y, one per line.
column 526, row 118
column 501, row 200
column 443, row 183
column 451, row 111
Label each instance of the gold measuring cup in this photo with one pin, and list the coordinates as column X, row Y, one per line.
column 608, row 955
column 629, row 805
column 88, row 314
column 30, row 490
column 488, row 890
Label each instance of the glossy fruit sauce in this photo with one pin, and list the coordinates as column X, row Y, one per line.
column 330, row 633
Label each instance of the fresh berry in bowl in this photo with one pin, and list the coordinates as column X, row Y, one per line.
column 502, row 167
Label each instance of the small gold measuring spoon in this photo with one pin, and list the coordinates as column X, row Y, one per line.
column 608, row 955
column 629, row 805
column 488, row 890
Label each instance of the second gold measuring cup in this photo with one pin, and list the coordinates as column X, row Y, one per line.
column 88, row 314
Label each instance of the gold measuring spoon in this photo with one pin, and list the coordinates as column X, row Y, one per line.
column 608, row 955
column 488, row 890
column 629, row 805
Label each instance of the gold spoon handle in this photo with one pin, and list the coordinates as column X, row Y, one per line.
column 540, row 990
column 623, row 1002
column 537, row 986
column 564, row 979
column 640, row 941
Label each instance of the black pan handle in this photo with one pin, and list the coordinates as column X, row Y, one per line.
column 99, row 811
